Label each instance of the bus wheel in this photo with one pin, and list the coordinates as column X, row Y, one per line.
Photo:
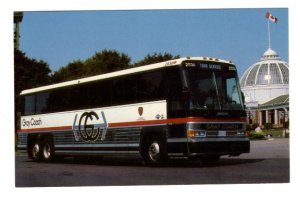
column 154, row 151
column 47, row 151
column 35, row 152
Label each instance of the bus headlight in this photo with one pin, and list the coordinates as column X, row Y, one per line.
column 192, row 133
column 240, row 133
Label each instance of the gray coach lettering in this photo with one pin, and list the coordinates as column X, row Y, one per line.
column 31, row 122
column 34, row 122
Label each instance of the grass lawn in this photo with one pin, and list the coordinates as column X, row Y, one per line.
column 276, row 133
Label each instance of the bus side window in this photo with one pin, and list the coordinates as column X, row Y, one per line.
column 124, row 90
column 100, row 94
column 41, row 102
column 148, row 86
column 59, row 100
column 56, row 100
column 78, row 97
column 29, row 105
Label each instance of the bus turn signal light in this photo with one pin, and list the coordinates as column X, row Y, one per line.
column 191, row 133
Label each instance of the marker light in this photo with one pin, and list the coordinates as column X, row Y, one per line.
column 191, row 133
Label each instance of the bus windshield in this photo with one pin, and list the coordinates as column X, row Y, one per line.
column 213, row 90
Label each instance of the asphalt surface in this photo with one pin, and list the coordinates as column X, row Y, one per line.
column 268, row 162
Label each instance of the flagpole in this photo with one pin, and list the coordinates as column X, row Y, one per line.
column 269, row 34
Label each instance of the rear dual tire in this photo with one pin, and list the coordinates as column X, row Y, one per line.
column 35, row 152
column 47, row 152
column 42, row 151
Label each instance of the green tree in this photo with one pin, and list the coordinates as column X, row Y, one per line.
column 106, row 61
column 101, row 62
column 155, row 58
column 73, row 70
column 29, row 73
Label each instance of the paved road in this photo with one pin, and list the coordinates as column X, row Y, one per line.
column 268, row 162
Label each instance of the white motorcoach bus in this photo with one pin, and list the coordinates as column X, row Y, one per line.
column 188, row 107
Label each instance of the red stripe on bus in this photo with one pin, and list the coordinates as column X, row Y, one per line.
column 172, row 121
column 142, row 123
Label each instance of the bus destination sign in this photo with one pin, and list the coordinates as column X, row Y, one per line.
column 203, row 65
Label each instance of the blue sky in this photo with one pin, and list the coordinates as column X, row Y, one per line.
column 240, row 35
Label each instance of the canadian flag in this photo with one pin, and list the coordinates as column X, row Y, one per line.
column 271, row 17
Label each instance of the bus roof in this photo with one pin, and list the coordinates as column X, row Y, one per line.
column 169, row 63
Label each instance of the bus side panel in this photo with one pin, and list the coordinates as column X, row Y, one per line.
column 115, row 117
column 119, row 128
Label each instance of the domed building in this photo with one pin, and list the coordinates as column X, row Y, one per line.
column 265, row 80
column 263, row 83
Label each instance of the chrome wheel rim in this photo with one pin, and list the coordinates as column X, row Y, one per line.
column 154, row 151
column 47, row 151
column 35, row 151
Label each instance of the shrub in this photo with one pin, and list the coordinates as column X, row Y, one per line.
column 256, row 136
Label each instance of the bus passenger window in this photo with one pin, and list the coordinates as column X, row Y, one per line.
column 41, row 102
column 29, row 105
column 124, row 90
column 100, row 94
column 148, row 86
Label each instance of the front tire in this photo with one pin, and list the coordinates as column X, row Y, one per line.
column 154, row 151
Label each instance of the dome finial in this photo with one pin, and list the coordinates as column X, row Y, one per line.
column 270, row 54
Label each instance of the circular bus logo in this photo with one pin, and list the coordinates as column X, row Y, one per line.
column 89, row 126
column 88, row 132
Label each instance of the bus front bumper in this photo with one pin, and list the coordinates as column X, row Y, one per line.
column 191, row 147
column 218, row 146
